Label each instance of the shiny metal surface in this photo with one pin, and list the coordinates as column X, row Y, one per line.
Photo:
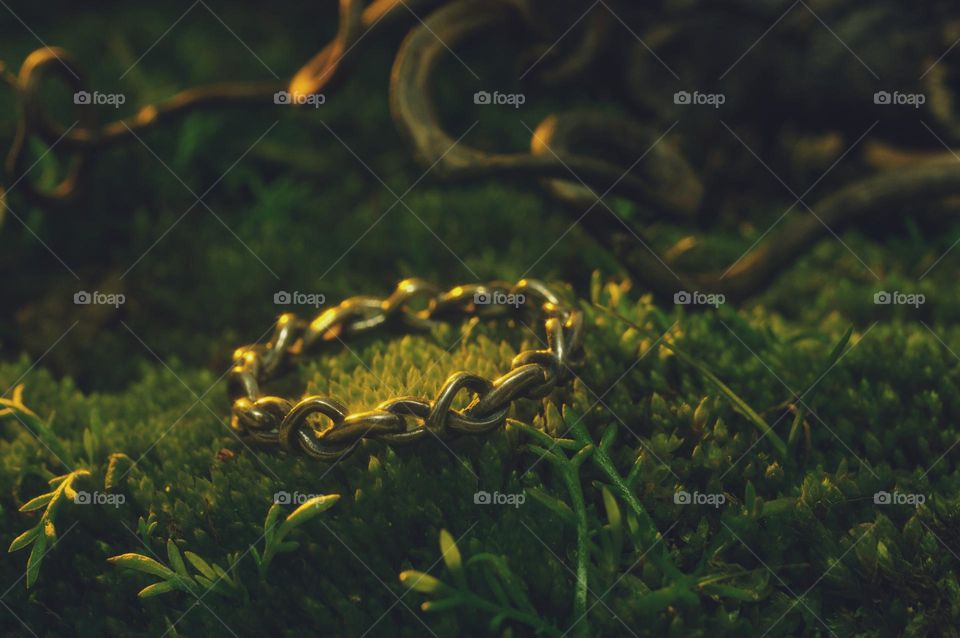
column 323, row 428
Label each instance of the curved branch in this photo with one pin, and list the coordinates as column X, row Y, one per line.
column 417, row 119
column 871, row 198
column 87, row 135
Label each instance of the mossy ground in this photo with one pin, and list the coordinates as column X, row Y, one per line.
column 883, row 417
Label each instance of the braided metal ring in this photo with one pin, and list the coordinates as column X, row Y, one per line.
column 293, row 426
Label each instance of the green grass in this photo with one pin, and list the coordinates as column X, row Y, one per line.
column 666, row 426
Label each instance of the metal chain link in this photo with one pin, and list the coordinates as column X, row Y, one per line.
column 294, row 426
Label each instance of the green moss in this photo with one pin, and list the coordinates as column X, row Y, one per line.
column 802, row 515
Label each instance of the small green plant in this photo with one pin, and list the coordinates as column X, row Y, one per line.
column 146, row 527
column 178, row 578
column 274, row 534
column 641, row 524
column 14, row 408
column 44, row 533
column 503, row 597
column 210, row 576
